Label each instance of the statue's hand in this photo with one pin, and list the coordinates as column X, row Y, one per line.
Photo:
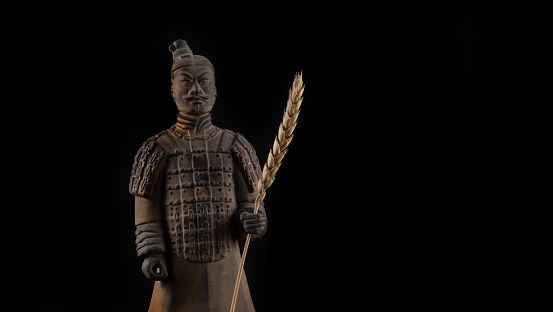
column 155, row 268
column 253, row 223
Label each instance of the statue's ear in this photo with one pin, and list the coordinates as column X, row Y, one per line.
column 173, row 91
column 215, row 92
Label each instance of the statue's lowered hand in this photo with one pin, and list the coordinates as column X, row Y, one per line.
column 155, row 268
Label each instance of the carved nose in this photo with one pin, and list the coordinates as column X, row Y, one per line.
column 195, row 90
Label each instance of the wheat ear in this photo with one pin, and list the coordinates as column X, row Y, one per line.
column 274, row 160
column 283, row 138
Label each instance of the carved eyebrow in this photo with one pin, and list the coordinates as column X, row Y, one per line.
column 185, row 74
column 204, row 73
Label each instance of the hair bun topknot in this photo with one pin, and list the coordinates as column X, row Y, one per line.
column 180, row 49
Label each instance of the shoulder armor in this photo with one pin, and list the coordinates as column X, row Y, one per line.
column 227, row 140
column 146, row 167
column 245, row 154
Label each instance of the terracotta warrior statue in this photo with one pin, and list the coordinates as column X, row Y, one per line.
column 195, row 186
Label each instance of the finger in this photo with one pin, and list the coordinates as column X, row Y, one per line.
column 254, row 221
column 163, row 269
column 254, row 227
column 249, row 215
column 149, row 274
column 255, row 231
column 258, row 225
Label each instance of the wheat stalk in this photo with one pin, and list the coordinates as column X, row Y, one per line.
column 274, row 160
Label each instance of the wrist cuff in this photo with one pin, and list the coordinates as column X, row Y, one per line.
column 149, row 239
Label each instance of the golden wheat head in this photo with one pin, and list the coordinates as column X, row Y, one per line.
column 283, row 138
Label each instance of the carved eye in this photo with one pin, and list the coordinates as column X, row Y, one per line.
column 186, row 83
column 203, row 82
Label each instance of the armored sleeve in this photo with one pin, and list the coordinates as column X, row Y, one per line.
column 146, row 171
column 146, row 168
column 248, row 166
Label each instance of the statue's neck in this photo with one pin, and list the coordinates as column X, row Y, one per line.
column 193, row 125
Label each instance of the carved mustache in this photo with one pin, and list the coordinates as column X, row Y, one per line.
column 200, row 97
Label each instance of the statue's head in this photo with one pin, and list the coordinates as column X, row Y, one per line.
column 192, row 79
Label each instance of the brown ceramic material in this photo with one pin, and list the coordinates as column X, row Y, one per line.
column 195, row 187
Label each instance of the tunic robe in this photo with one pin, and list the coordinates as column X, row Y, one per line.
column 193, row 181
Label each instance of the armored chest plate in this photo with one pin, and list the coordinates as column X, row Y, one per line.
column 199, row 199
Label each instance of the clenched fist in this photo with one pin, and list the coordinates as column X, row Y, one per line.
column 155, row 268
column 253, row 223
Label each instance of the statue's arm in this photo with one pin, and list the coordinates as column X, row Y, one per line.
column 146, row 185
column 246, row 175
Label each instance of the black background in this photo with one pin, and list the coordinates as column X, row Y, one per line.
column 405, row 187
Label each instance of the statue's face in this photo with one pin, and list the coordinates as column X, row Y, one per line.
column 194, row 89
